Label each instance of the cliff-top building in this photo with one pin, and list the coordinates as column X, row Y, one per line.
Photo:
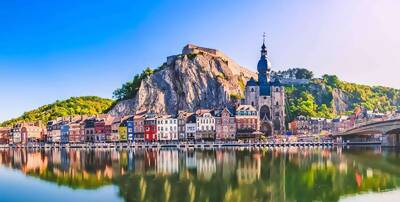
column 267, row 96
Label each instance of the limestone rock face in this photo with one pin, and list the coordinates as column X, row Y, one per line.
column 340, row 101
column 197, row 78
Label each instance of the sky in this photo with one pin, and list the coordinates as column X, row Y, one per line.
column 52, row 50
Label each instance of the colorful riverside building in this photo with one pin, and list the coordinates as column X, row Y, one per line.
column 150, row 127
column 15, row 133
column 102, row 128
column 49, row 128
column 99, row 131
column 191, row 128
column 225, row 124
column 167, row 128
column 76, row 132
column 72, row 129
column 182, row 120
column 64, row 134
column 205, row 125
column 115, row 130
column 139, row 126
column 30, row 133
column 55, row 133
column 4, row 135
column 247, row 122
column 130, row 129
column 89, row 129
column 123, row 131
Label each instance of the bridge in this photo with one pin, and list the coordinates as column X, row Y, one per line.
column 389, row 129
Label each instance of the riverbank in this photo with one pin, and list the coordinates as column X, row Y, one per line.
column 173, row 145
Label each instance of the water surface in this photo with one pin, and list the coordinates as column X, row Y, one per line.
column 281, row 174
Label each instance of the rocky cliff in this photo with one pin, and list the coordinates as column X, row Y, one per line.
column 197, row 78
column 206, row 78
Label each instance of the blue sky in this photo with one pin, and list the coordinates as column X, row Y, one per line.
column 52, row 50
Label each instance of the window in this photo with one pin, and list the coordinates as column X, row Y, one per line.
column 277, row 103
column 252, row 89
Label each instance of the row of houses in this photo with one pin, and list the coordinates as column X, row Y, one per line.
column 320, row 126
column 313, row 126
column 203, row 125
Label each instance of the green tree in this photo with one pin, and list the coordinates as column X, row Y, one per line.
column 302, row 73
column 130, row 88
column 331, row 80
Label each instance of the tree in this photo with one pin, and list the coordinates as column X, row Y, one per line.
column 295, row 73
column 302, row 73
column 130, row 88
column 331, row 80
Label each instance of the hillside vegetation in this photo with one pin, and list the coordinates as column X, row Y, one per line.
column 329, row 97
column 88, row 105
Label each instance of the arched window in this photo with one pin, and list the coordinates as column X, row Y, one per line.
column 277, row 89
column 252, row 104
column 252, row 89
column 277, row 103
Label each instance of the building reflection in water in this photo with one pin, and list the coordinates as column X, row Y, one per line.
column 216, row 175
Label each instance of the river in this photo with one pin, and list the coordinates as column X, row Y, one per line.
column 229, row 174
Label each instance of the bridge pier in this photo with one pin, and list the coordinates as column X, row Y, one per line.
column 391, row 140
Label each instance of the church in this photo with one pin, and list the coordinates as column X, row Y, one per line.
column 267, row 96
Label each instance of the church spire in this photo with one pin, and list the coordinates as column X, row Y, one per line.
column 263, row 48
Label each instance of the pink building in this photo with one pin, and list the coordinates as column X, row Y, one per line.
column 225, row 125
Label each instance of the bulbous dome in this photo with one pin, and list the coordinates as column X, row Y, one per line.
column 264, row 64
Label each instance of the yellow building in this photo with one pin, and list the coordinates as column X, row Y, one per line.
column 123, row 132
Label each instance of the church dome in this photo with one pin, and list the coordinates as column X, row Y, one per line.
column 264, row 64
column 251, row 82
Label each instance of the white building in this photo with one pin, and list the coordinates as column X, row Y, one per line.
column 167, row 128
column 205, row 125
column 191, row 127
